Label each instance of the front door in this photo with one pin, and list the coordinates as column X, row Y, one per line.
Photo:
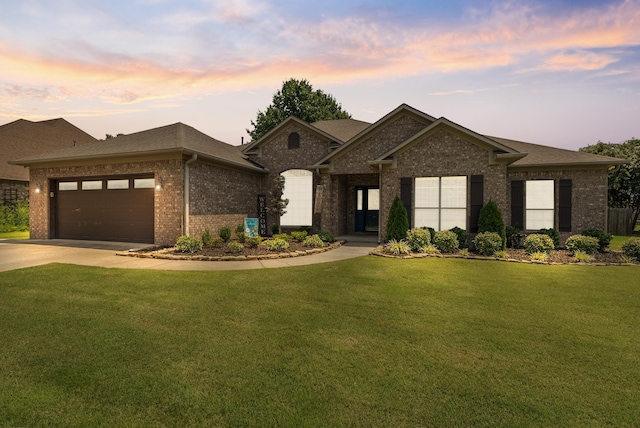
column 367, row 208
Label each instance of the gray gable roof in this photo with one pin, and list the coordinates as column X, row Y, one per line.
column 176, row 138
column 342, row 129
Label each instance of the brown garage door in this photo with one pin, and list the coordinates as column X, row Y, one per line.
column 105, row 209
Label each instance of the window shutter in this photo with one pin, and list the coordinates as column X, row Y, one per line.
column 564, row 211
column 477, row 200
column 517, row 204
column 406, row 185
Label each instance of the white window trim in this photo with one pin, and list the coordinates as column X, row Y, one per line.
column 439, row 208
column 538, row 207
column 298, row 188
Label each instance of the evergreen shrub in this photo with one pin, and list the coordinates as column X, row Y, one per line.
column 604, row 238
column 446, row 241
column 398, row 223
column 490, row 220
column 538, row 243
column 487, row 243
column 582, row 243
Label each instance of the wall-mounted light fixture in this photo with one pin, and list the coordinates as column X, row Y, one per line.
column 38, row 189
column 159, row 183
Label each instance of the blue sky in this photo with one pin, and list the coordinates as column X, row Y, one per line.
column 561, row 73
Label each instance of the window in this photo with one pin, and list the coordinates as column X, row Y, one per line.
column 441, row 202
column 68, row 185
column 144, row 183
column 92, row 185
column 294, row 140
column 298, row 188
column 118, row 184
column 539, row 203
column 10, row 195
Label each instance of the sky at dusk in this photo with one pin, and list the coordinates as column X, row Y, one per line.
column 560, row 73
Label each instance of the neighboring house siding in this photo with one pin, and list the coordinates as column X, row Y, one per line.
column 168, row 201
column 588, row 196
column 220, row 197
column 441, row 154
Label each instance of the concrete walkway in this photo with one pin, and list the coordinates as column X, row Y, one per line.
column 17, row 254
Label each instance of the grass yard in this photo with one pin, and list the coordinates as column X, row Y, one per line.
column 363, row 342
column 15, row 235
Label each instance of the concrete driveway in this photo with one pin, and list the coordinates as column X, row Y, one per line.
column 17, row 254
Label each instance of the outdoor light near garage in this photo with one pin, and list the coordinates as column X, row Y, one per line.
column 159, row 184
column 38, row 189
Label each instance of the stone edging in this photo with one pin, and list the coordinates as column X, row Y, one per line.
column 169, row 254
column 378, row 251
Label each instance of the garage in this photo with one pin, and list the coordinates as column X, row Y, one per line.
column 104, row 209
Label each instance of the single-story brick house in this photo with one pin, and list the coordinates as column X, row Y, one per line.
column 340, row 175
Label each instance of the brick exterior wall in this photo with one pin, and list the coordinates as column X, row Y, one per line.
column 588, row 195
column 168, row 202
column 220, row 197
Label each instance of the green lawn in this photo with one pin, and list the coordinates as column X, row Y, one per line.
column 363, row 342
column 14, row 235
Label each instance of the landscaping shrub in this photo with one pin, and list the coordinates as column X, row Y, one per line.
column 487, row 243
column 553, row 234
column 541, row 256
column 397, row 247
column 241, row 237
column 490, row 220
column 299, row 236
column 283, row 236
column 631, row 248
column 514, row 237
column 276, row 244
column 326, row 236
column 398, row 223
column 224, row 233
column 14, row 217
column 582, row 257
column 538, row 243
column 432, row 232
column 461, row 234
column 446, row 241
column 604, row 238
column 252, row 242
column 313, row 241
column 584, row 244
column 275, row 229
column 429, row 249
column 187, row 244
column 234, row 247
column 501, row 254
column 207, row 239
column 239, row 230
column 418, row 238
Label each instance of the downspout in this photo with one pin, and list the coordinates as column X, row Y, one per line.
column 379, row 202
column 186, row 193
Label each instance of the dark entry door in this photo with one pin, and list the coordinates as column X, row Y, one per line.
column 367, row 209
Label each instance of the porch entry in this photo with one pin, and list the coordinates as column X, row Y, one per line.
column 367, row 208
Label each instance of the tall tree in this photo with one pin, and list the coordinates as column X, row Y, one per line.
column 624, row 180
column 296, row 98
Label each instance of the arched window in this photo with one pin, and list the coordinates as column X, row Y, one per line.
column 294, row 140
column 298, row 188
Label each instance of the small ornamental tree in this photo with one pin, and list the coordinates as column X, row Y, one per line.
column 398, row 223
column 277, row 204
column 490, row 220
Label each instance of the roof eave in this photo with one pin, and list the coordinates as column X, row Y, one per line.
column 570, row 164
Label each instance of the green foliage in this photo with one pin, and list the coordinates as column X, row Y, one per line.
column 582, row 257
column 604, row 238
column 582, row 243
column 446, row 241
column 241, row 237
column 429, row 249
column 188, row 244
column 501, row 254
column 540, row 256
column 487, row 243
column 553, row 234
column 538, row 243
column 397, row 248
column 464, row 252
column 326, row 236
column 631, row 248
column 275, row 228
column 313, row 241
column 207, row 239
column 624, row 180
column 277, row 204
column 514, row 237
column 398, row 223
column 490, row 220
column 224, row 233
column 296, row 98
column 299, row 236
column 461, row 234
column 234, row 247
column 418, row 238
column 432, row 232
column 14, row 217
column 283, row 236
column 253, row 242
column 276, row 244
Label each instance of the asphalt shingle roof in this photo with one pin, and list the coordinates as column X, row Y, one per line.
column 342, row 129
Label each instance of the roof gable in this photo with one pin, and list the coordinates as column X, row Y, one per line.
column 342, row 129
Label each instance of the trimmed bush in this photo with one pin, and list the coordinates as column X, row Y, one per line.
column 397, row 247
column 553, row 234
column 538, row 243
column 252, row 242
column 429, row 249
column 631, row 248
column 398, row 223
column 487, row 243
column 224, row 233
column 239, row 230
column 418, row 238
column 582, row 257
column 432, row 232
column 313, row 241
column 276, row 244
column 234, row 247
column 446, row 241
column 541, row 256
column 514, row 237
column 461, row 234
column 326, row 236
column 501, row 254
column 283, row 236
column 584, row 244
column 490, row 220
column 187, row 244
column 14, row 216
column 207, row 239
column 299, row 236
column 604, row 238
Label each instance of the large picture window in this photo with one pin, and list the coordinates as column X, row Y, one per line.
column 539, row 203
column 441, row 202
column 298, row 188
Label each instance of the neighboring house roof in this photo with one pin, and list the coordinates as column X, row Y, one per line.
column 174, row 138
column 342, row 129
column 23, row 138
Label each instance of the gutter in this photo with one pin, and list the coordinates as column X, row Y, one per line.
column 185, row 227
